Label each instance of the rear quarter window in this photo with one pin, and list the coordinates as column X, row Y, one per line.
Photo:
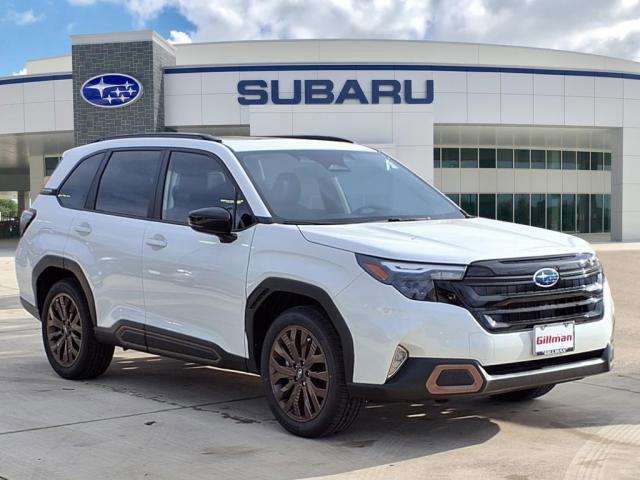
column 73, row 192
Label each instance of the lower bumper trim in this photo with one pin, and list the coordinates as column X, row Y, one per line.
column 409, row 383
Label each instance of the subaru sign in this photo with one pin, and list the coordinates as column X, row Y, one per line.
column 259, row 92
column 546, row 277
column 111, row 90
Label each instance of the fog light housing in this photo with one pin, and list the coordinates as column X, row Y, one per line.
column 399, row 357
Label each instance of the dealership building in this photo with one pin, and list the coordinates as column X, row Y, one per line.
column 542, row 137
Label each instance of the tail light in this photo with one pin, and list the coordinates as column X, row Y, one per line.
column 26, row 218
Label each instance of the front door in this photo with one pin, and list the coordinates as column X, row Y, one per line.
column 194, row 285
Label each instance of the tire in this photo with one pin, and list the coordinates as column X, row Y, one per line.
column 524, row 395
column 66, row 322
column 296, row 385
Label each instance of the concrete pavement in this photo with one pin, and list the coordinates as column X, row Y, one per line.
column 149, row 417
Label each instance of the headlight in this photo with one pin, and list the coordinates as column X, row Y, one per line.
column 413, row 280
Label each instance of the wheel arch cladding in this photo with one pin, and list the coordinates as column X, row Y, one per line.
column 51, row 269
column 274, row 295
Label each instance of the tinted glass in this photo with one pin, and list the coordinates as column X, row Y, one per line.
column 505, row 207
column 521, row 208
column 450, row 157
column 597, row 214
column 568, row 160
column 196, row 181
column 50, row 164
column 487, row 158
column 584, row 160
column 582, row 213
column 74, row 191
column 568, row 213
column 538, row 210
column 596, row 160
column 334, row 186
column 521, row 158
column 469, row 157
column 454, row 197
column 553, row 211
column 607, row 161
column 127, row 186
column 538, row 159
column 469, row 203
column 607, row 213
column 553, row 159
column 505, row 158
column 487, row 207
column 436, row 158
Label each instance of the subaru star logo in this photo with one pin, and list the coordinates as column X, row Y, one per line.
column 546, row 277
column 111, row 90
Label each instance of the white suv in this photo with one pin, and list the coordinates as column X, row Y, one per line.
column 324, row 266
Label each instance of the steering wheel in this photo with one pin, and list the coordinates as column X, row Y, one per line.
column 369, row 210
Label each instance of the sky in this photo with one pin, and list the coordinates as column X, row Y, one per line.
column 41, row 28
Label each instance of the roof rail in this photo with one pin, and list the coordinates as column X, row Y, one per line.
column 193, row 136
column 316, row 137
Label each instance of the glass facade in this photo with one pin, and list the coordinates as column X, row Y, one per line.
column 571, row 213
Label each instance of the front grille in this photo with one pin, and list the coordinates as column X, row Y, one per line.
column 502, row 295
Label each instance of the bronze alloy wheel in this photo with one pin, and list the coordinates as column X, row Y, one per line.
column 298, row 373
column 64, row 329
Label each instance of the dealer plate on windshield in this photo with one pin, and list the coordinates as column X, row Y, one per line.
column 553, row 338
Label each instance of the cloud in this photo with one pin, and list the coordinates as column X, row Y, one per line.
column 176, row 36
column 609, row 28
column 24, row 18
column 22, row 71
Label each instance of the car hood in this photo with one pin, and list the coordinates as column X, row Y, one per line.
column 459, row 241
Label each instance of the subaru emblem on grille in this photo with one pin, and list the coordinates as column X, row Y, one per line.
column 546, row 277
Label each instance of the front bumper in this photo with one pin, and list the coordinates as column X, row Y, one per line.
column 416, row 378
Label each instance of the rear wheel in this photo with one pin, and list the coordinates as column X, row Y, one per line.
column 67, row 332
column 524, row 395
column 303, row 375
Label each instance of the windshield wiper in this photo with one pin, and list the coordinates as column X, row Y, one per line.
column 400, row 219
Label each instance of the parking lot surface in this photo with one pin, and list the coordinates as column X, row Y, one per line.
column 150, row 417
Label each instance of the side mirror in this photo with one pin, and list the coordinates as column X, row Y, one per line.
column 214, row 220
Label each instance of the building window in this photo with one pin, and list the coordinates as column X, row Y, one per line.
column 568, row 160
column 553, row 211
column 584, row 158
column 521, row 208
column 450, row 157
column 606, row 213
column 597, row 161
column 521, row 159
column 505, row 158
column 469, row 203
column 469, row 157
column 487, row 205
column 436, row 158
column 505, row 207
column 597, row 214
column 454, row 197
column 582, row 213
column 538, row 210
column 50, row 164
column 487, row 158
column 538, row 159
column 553, row 160
column 607, row 161
column 568, row 212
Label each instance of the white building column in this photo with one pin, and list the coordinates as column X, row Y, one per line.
column 36, row 175
column 625, row 185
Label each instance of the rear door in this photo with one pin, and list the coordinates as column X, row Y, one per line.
column 194, row 285
column 106, row 235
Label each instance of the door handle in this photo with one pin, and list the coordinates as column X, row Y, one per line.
column 156, row 242
column 83, row 228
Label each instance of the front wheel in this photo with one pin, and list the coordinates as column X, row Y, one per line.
column 303, row 374
column 524, row 395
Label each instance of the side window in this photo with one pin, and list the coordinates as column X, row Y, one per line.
column 128, row 183
column 73, row 192
column 198, row 181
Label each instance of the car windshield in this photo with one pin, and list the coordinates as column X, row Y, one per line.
column 335, row 186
